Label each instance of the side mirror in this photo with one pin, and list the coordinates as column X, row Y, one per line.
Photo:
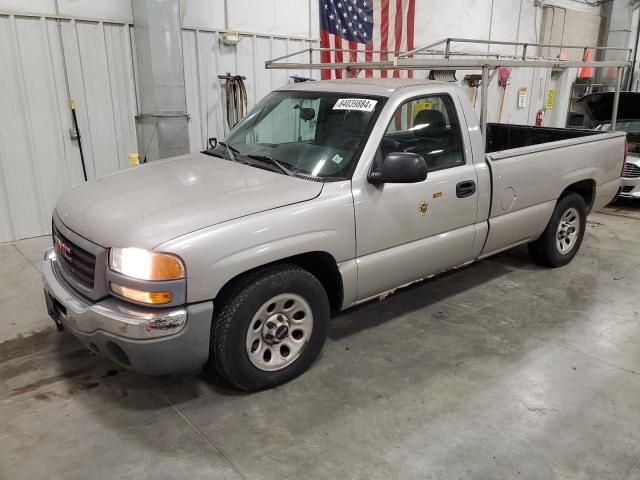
column 400, row 167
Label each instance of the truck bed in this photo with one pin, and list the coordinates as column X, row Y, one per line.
column 531, row 166
column 501, row 136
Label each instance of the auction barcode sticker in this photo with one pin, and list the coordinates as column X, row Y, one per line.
column 362, row 104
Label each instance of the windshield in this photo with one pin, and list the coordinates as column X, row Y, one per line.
column 310, row 133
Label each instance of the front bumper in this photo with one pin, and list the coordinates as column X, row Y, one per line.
column 630, row 187
column 631, row 178
column 149, row 341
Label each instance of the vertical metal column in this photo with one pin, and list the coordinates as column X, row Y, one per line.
column 483, row 101
column 616, row 98
column 162, row 124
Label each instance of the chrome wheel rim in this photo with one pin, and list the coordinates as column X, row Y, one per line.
column 567, row 233
column 279, row 332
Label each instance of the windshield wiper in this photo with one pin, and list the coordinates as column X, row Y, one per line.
column 273, row 161
column 214, row 154
column 230, row 150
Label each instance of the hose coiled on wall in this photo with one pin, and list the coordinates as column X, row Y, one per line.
column 236, row 95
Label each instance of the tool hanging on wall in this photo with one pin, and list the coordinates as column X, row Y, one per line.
column 72, row 105
column 504, row 73
column 236, row 97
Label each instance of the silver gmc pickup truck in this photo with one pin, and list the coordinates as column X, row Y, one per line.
column 326, row 195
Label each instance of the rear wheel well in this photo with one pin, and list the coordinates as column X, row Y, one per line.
column 586, row 189
column 321, row 265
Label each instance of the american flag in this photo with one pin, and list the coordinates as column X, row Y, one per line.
column 365, row 30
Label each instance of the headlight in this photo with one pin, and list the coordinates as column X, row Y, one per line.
column 145, row 264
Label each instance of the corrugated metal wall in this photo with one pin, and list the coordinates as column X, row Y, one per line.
column 38, row 159
column 205, row 57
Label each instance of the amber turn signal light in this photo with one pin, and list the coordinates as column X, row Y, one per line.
column 152, row 298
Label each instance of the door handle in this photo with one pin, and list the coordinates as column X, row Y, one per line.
column 465, row 189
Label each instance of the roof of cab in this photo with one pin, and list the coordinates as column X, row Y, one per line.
column 383, row 87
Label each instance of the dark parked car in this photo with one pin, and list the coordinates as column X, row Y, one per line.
column 594, row 112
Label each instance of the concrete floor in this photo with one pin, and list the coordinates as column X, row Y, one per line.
column 500, row 370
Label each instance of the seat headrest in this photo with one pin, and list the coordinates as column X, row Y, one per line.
column 431, row 119
column 355, row 122
column 340, row 125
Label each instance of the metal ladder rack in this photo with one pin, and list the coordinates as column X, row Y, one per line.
column 426, row 58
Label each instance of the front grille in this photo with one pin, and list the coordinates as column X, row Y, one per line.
column 631, row 171
column 74, row 261
column 627, row 189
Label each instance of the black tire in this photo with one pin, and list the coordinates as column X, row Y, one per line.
column 544, row 250
column 233, row 318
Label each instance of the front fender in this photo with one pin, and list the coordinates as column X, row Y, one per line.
column 215, row 255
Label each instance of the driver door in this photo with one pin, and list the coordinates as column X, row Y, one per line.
column 408, row 231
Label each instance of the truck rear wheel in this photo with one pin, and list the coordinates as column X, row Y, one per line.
column 561, row 240
column 269, row 328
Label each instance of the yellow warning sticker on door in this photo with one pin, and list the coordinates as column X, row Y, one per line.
column 551, row 97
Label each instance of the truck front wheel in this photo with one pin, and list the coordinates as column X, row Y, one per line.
column 561, row 240
column 269, row 327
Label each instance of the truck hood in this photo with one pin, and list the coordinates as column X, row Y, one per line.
column 162, row 200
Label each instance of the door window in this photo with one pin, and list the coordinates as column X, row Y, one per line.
column 429, row 127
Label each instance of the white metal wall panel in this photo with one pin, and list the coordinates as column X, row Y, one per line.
column 121, row 89
column 262, row 51
column 205, row 57
column 38, row 159
column 195, row 103
column 277, row 17
column 201, row 65
column 115, row 10
column 20, row 194
column 106, row 91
